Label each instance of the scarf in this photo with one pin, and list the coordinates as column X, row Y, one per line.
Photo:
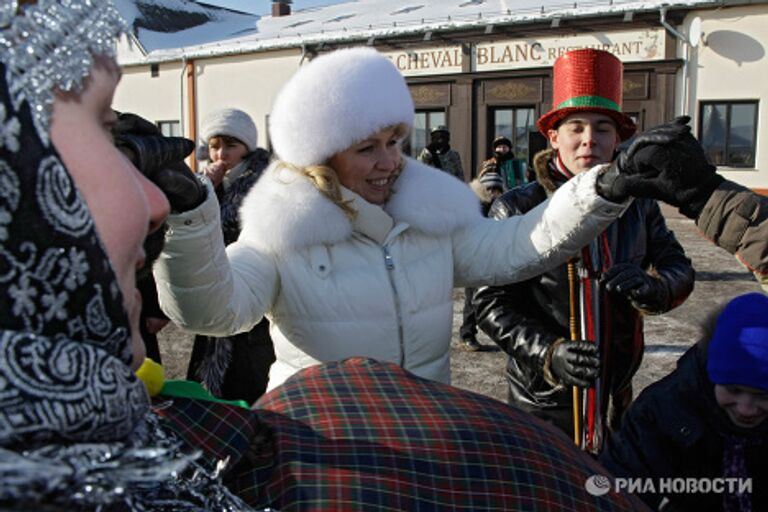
column 735, row 466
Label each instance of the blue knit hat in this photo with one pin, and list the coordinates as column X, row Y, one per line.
column 738, row 350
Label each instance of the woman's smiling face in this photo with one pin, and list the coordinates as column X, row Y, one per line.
column 370, row 167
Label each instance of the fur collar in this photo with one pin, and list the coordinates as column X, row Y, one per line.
column 285, row 211
column 543, row 173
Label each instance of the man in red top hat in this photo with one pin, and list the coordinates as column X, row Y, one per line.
column 635, row 267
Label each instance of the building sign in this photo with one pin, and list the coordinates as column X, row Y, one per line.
column 428, row 61
column 629, row 46
column 639, row 45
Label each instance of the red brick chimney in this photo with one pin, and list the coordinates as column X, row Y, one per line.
column 281, row 8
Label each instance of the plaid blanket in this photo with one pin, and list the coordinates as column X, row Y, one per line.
column 364, row 435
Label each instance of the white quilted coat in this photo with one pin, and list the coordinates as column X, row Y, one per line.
column 379, row 286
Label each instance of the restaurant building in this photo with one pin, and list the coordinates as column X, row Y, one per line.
column 483, row 71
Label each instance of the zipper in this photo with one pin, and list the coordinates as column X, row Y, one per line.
column 390, row 264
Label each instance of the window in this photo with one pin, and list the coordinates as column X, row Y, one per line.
column 514, row 124
column 154, row 70
column 728, row 132
column 423, row 123
column 170, row 128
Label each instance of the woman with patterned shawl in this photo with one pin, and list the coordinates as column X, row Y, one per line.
column 77, row 429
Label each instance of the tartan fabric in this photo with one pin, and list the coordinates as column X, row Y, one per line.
column 219, row 430
column 364, row 435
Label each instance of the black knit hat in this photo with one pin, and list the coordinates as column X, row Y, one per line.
column 498, row 141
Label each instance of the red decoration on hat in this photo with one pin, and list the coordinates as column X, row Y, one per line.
column 587, row 80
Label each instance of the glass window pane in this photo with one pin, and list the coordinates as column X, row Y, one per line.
column 170, row 128
column 741, row 142
column 713, row 132
column 418, row 135
column 423, row 122
column 524, row 123
column 436, row 119
column 502, row 123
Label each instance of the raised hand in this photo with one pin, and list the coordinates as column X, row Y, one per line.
column 643, row 290
column 666, row 163
column 161, row 159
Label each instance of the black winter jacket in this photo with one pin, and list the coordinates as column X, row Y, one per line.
column 676, row 429
column 526, row 318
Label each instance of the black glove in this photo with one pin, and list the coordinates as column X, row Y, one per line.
column 644, row 291
column 575, row 363
column 666, row 163
column 180, row 185
column 161, row 159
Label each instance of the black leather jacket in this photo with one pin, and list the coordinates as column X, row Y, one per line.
column 526, row 318
column 676, row 430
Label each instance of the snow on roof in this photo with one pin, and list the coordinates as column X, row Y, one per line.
column 174, row 24
column 365, row 19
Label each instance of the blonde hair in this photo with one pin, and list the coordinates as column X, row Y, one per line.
column 325, row 179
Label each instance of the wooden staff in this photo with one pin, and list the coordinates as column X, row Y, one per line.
column 574, row 336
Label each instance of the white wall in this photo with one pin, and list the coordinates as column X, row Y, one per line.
column 248, row 82
column 155, row 98
column 730, row 64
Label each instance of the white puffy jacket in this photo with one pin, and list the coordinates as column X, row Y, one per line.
column 378, row 286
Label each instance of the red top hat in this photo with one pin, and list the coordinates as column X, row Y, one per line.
column 587, row 80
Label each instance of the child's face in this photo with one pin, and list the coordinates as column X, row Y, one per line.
column 125, row 206
column 746, row 407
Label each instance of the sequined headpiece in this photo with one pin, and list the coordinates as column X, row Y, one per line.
column 51, row 46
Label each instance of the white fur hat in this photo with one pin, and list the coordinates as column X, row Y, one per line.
column 232, row 123
column 336, row 100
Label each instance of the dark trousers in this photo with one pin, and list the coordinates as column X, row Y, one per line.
column 468, row 327
column 245, row 374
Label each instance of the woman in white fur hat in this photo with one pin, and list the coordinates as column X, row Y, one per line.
column 341, row 248
column 233, row 367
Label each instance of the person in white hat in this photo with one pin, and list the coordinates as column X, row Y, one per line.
column 342, row 249
column 232, row 367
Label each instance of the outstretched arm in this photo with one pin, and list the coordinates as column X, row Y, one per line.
column 736, row 219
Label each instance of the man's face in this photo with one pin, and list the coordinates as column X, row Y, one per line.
column 502, row 149
column 440, row 139
column 584, row 140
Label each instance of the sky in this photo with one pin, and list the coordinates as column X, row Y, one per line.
column 264, row 7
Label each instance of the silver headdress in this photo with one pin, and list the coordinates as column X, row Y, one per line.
column 52, row 46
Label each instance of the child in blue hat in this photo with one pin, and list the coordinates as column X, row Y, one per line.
column 706, row 420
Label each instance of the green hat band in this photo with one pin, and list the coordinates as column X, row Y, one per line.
column 590, row 101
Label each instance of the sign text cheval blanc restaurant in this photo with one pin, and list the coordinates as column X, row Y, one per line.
column 629, row 46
